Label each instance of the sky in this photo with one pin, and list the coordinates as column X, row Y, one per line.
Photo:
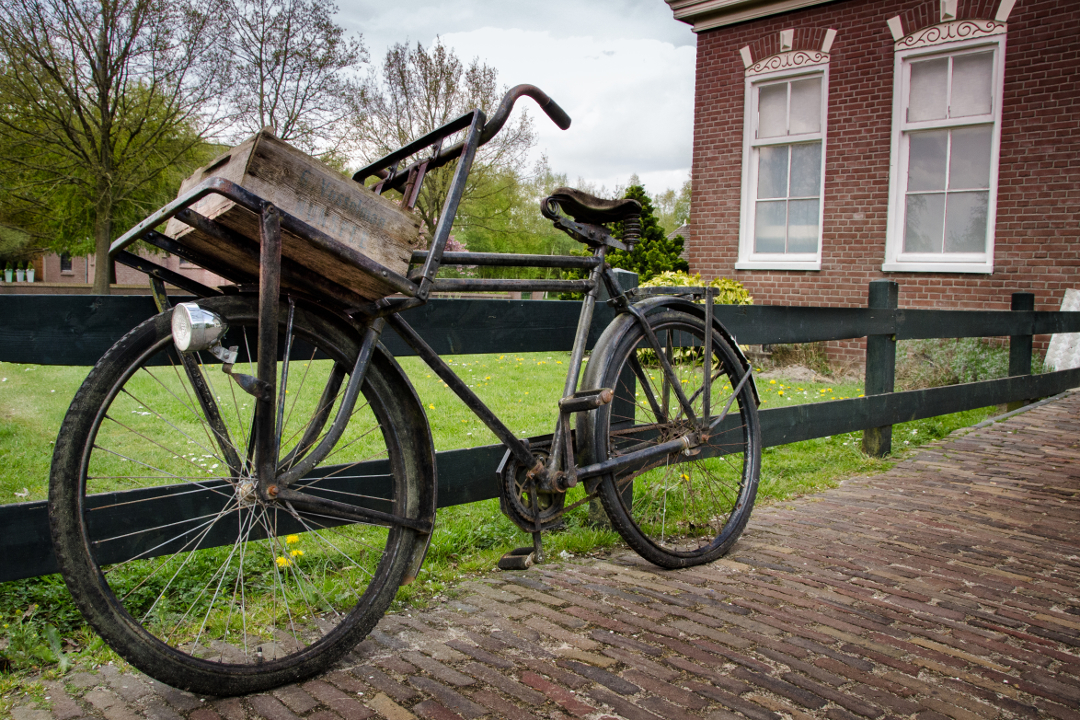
column 622, row 69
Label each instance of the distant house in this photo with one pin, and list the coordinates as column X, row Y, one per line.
column 67, row 269
column 931, row 142
column 683, row 231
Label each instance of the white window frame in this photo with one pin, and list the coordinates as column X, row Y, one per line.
column 896, row 260
column 748, row 258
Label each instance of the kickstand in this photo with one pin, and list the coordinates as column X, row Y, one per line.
column 524, row 557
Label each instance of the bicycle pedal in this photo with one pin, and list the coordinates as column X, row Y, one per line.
column 517, row 559
column 586, row 400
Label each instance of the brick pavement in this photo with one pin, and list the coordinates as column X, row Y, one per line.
column 945, row 588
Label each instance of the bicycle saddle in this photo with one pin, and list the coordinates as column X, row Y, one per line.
column 586, row 208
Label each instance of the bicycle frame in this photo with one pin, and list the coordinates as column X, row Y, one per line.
column 560, row 471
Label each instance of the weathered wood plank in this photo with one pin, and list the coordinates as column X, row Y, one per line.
column 78, row 329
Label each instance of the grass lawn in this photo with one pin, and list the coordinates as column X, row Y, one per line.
column 521, row 388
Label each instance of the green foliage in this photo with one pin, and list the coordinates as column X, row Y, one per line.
column 503, row 215
column 729, row 292
column 673, row 208
column 654, row 253
column 36, row 616
column 949, row 361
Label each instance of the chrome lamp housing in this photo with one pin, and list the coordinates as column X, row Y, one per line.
column 195, row 329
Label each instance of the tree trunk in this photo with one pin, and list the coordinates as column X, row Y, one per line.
column 102, row 240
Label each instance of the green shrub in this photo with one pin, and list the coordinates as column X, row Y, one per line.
column 730, row 292
column 948, row 361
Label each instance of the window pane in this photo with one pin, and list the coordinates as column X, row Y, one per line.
column 806, row 170
column 924, row 222
column 802, row 226
column 927, row 100
column 806, row 106
column 772, row 110
column 965, row 223
column 772, row 171
column 927, row 155
column 769, row 226
column 972, row 83
column 969, row 158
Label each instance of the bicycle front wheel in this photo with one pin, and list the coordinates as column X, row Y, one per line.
column 681, row 509
column 163, row 540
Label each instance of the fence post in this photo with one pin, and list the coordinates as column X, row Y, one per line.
column 880, row 364
column 1020, row 345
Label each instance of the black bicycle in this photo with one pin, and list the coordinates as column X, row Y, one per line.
column 244, row 480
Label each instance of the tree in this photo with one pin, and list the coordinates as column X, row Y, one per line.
column 295, row 70
column 673, row 208
column 421, row 89
column 654, row 253
column 510, row 222
column 104, row 97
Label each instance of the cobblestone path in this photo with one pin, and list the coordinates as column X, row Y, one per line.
column 945, row 588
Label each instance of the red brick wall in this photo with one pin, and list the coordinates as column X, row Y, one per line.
column 1038, row 215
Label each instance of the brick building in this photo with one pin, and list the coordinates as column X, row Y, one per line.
column 931, row 142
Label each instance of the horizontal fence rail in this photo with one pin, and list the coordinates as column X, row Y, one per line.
column 77, row 330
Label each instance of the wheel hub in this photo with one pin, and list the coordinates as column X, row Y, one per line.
column 247, row 493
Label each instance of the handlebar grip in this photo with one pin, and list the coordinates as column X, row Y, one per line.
column 557, row 114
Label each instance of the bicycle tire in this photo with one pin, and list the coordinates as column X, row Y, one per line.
column 187, row 576
column 679, row 510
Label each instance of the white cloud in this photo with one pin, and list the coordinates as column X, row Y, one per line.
column 624, row 71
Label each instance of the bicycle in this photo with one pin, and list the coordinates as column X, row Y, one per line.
column 228, row 532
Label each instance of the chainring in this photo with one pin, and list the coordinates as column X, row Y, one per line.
column 516, row 502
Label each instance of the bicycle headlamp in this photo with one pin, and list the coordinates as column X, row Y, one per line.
column 195, row 329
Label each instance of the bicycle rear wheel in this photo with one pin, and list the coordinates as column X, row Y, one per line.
column 163, row 541
column 679, row 510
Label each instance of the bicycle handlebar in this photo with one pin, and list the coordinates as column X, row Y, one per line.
column 491, row 128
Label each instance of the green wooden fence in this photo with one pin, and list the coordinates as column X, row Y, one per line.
column 76, row 330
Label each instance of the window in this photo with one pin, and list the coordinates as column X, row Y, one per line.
column 946, row 128
column 65, row 264
column 783, row 169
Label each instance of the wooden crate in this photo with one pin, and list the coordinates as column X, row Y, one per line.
column 323, row 198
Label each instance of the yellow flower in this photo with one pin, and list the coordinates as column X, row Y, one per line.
column 772, row 382
column 685, row 476
column 431, row 407
column 290, row 539
column 283, row 561
column 558, row 362
column 296, row 553
column 488, row 377
column 781, row 392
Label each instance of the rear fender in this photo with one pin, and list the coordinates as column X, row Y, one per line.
column 668, row 302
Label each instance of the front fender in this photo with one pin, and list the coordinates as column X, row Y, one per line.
column 410, row 407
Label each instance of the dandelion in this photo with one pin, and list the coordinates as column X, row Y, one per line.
column 772, row 382
column 558, row 362
column 296, row 553
column 781, row 392
column 488, row 377
column 283, row 561
column 292, row 539
column 431, row 407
